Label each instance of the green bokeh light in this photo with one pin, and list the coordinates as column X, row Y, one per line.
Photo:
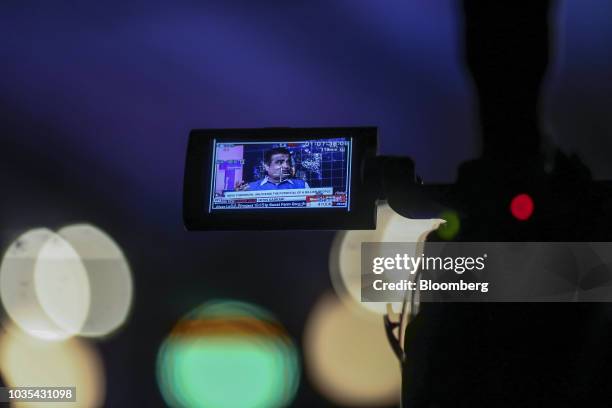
column 450, row 228
column 228, row 354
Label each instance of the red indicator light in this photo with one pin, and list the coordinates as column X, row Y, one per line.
column 521, row 207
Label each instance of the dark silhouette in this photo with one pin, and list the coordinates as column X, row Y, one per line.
column 514, row 355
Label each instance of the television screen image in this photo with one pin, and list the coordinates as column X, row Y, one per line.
column 297, row 174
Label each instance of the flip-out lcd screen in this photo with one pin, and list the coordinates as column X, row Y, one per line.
column 281, row 179
column 281, row 174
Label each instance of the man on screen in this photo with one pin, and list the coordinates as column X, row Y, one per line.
column 280, row 173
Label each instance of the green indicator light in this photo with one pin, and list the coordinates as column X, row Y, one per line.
column 450, row 228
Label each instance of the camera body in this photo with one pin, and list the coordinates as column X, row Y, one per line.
column 280, row 178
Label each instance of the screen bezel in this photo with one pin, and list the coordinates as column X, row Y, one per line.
column 199, row 169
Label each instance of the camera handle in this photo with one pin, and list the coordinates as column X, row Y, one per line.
column 406, row 194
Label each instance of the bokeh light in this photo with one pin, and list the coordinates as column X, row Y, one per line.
column 110, row 278
column 522, row 207
column 450, row 228
column 228, row 354
column 348, row 357
column 345, row 254
column 62, row 285
column 75, row 282
column 29, row 361
column 44, row 286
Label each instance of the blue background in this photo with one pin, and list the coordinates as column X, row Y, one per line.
column 97, row 99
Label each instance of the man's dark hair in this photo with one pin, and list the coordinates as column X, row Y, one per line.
column 277, row 150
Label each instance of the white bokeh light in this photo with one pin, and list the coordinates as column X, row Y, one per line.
column 33, row 362
column 348, row 357
column 61, row 285
column 58, row 285
column 345, row 256
column 111, row 288
column 31, row 296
